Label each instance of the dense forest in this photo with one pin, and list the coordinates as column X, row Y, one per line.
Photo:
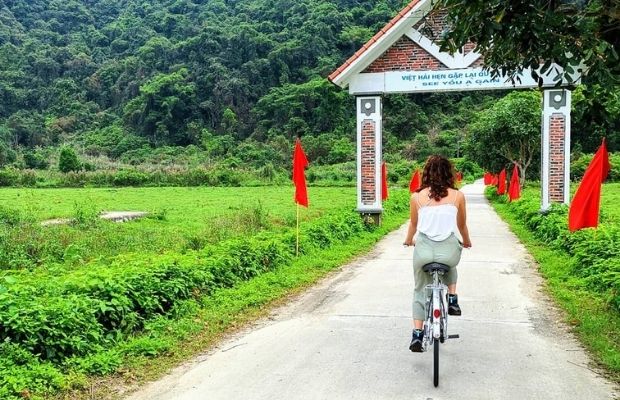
column 136, row 81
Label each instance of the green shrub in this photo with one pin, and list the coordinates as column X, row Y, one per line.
column 85, row 214
column 28, row 178
column 336, row 174
column 52, row 327
column 9, row 177
column 470, row 169
column 35, row 160
column 402, row 171
column 100, row 363
column 11, row 217
column 580, row 164
column 218, row 175
column 7, row 154
column 129, row 178
column 68, row 160
column 22, row 373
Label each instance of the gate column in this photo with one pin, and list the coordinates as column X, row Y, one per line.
column 556, row 127
column 369, row 130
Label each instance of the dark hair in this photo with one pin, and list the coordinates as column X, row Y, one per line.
column 438, row 176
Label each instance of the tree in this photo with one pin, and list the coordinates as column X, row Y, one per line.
column 342, row 150
column 513, row 35
column 403, row 117
column 313, row 107
column 7, row 155
column 163, row 108
column 596, row 114
column 508, row 132
column 27, row 129
column 68, row 160
column 230, row 122
column 35, row 159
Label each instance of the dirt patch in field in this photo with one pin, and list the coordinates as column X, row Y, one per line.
column 114, row 216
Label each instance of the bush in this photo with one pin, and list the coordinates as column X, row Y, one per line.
column 22, row 373
column 470, row 169
column 35, row 160
column 336, row 174
column 28, row 178
column 579, row 165
column 401, row 171
column 129, row 178
column 68, row 160
column 9, row 177
column 7, row 154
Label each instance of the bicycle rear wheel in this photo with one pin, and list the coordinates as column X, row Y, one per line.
column 436, row 363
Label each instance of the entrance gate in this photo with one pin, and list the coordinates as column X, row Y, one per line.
column 401, row 58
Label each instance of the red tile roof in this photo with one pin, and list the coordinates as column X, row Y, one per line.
column 372, row 40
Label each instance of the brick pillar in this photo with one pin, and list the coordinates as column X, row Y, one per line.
column 369, row 127
column 555, row 173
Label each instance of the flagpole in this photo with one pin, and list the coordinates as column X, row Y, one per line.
column 297, row 246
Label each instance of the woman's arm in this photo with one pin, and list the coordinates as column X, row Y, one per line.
column 413, row 222
column 461, row 221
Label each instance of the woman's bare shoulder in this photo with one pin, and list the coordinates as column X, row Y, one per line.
column 460, row 196
column 455, row 193
column 415, row 196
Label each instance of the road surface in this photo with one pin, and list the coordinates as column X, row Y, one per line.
column 348, row 337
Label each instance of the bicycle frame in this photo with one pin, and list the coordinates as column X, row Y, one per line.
column 436, row 324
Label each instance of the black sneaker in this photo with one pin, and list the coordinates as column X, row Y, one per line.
column 416, row 341
column 453, row 305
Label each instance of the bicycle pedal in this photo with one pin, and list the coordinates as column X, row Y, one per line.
column 453, row 336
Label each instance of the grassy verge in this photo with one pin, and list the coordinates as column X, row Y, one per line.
column 588, row 312
column 197, row 325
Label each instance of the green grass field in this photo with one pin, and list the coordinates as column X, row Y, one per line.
column 186, row 207
column 180, row 219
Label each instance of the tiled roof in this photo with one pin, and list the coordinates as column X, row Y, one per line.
column 372, row 40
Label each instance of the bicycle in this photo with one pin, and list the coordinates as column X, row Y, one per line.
column 436, row 324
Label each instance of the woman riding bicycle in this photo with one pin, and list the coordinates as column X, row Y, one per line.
column 437, row 210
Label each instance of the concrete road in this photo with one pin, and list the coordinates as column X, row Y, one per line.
column 348, row 337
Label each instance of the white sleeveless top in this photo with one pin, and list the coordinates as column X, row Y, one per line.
column 437, row 222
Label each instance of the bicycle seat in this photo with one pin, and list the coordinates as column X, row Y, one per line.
column 435, row 266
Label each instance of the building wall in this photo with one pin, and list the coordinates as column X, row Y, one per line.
column 406, row 55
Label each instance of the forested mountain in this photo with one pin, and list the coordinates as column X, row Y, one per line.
column 164, row 70
column 120, row 76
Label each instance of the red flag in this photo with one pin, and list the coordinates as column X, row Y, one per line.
column 501, row 182
column 384, row 183
column 300, row 162
column 488, row 178
column 514, row 191
column 459, row 177
column 494, row 180
column 415, row 182
column 584, row 210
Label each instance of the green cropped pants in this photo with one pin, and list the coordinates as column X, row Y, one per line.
column 426, row 251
